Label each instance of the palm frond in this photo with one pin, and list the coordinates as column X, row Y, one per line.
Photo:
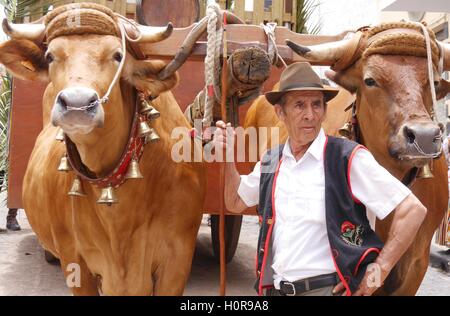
column 305, row 9
column 5, row 106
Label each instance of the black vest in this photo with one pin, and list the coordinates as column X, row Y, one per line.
column 354, row 245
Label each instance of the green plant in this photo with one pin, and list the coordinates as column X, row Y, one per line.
column 305, row 9
column 16, row 10
column 5, row 106
column 229, row 4
column 9, row 7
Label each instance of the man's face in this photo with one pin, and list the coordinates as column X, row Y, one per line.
column 303, row 113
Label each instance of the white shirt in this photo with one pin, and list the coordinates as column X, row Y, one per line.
column 300, row 246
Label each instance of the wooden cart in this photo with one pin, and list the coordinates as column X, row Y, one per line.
column 26, row 116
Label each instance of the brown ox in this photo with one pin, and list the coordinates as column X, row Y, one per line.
column 144, row 244
column 393, row 106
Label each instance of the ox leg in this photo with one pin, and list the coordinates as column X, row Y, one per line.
column 405, row 278
column 407, row 275
column 171, row 276
column 78, row 277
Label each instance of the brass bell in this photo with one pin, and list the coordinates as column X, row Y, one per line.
column 145, row 107
column 425, row 172
column 346, row 130
column 64, row 164
column 153, row 114
column 77, row 188
column 152, row 137
column 108, row 196
column 133, row 170
column 60, row 135
column 144, row 129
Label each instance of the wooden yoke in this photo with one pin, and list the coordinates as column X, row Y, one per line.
column 239, row 36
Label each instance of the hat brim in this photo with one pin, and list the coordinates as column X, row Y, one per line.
column 274, row 96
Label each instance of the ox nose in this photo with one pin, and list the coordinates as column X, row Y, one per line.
column 81, row 99
column 423, row 138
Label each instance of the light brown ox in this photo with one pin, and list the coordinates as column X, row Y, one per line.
column 144, row 244
column 393, row 106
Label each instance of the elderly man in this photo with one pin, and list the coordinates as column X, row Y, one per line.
column 312, row 193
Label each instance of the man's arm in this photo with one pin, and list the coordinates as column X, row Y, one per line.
column 233, row 201
column 408, row 216
column 383, row 194
column 224, row 138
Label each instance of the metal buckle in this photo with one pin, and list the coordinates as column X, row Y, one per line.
column 293, row 289
column 307, row 287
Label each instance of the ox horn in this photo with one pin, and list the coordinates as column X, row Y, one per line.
column 31, row 31
column 152, row 34
column 189, row 43
column 325, row 54
column 185, row 50
column 446, row 51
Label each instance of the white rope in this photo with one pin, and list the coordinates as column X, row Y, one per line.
column 212, row 61
column 433, row 155
column 134, row 25
column 272, row 50
column 124, row 36
column 105, row 98
column 430, row 68
column 282, row 60
column 432, row 89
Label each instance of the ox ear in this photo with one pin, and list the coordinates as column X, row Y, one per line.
column 346, row 79
column 24, row 59
column 143, row 74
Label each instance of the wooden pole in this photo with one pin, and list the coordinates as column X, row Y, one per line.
column 223, row 111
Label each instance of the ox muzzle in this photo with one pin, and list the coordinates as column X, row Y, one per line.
column 77, row 110
column 418, row 141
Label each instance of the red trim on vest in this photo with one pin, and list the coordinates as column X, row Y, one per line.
column 364, row 256
column 256, row 263
column 341, row 277
column 348, row 171
column 256, row 256
column 269, row 233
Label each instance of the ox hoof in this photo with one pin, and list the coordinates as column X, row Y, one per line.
column 3, row 231
column 50, row 258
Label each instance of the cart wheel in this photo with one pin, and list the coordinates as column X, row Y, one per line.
column 232, row 231
column 50, row 258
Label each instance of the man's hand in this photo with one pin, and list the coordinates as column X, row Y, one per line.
column 370, row 283
column 224, row 137
column 367, row 287
column 408, row 216
column 339, row 289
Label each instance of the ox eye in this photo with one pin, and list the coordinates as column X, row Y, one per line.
column 436, row 84
column 49, row 58
column 118, row 57
column 370, row 82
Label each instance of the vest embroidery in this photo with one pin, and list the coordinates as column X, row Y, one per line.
column 351, row 234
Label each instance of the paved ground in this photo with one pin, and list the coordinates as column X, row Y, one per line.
column 23, row 270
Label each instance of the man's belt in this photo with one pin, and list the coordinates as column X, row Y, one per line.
column 309, row 284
